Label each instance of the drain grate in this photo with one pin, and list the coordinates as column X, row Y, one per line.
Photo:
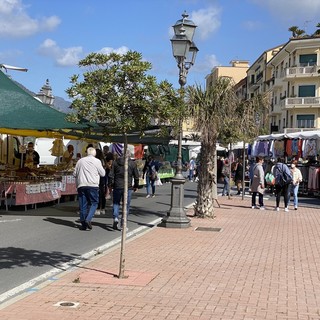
column 208, row 229
column 67, row 304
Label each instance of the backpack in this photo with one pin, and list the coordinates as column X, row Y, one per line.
column 270, row 179
column 282, row 176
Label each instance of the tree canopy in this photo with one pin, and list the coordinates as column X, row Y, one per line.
column 117, row 92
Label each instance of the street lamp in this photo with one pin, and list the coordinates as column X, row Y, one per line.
column 184, row 50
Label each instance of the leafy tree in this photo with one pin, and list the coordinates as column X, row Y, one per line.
column 116, row 93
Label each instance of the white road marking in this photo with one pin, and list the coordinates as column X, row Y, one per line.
column 14, row 220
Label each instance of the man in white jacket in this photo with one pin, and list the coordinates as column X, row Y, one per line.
column 88, row 171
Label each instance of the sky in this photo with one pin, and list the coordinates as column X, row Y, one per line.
column 49, row 37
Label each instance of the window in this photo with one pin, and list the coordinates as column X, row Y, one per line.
column 307, row 91
column 305, row 120
column 308, row 59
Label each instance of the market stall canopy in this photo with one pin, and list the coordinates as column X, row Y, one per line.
column 26, row 116
column 149, row 136
column 293, row 135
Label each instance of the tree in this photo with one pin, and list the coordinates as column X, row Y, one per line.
column 219, row 115
column 317, row 32
column 296, row 32
column 300, row 33
column 293, row 29
column 116, row 93
column 213, row 111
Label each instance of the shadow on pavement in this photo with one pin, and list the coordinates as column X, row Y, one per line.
column 12, row 257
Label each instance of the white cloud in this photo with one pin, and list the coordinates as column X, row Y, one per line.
column 121, row 50
column 207, row 20
column 16, row 22
column 63, row 57
column 209, row 62
column 292, row 9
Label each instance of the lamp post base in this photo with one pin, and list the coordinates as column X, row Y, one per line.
column 176, row 217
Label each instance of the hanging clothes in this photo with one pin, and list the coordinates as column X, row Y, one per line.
column 310, row 148
column 58, row 148
column 313, row 178
column 278, row 148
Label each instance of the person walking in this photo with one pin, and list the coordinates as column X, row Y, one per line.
column 257, row 186
column 226, row 177
column 102, row 185
column 192, row 168
column 296, row 179
column 281, row 187
column 150, row 171
column 238, row 177
column 87, row 172
column 109, row 157
column 116, row 183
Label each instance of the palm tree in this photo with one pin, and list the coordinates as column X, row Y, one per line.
column 293, row 29
column 300, row 33
column 213, row 111
column 317, row 32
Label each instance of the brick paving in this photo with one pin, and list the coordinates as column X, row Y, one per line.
column 261, row 265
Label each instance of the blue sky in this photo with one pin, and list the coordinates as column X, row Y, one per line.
column 49, row 37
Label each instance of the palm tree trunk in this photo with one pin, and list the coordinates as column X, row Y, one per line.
column 204, row 206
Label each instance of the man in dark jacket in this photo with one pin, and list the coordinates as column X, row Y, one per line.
column 116, row 182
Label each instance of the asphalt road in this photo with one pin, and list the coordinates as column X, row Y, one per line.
column 38, row 244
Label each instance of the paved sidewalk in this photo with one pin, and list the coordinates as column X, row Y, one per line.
column 261, row 265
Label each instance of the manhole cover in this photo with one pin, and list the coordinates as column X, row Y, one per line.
column 68, row 304
column 208, row 229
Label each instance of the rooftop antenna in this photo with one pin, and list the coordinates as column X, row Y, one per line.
column 305, row 25
column 7, row 67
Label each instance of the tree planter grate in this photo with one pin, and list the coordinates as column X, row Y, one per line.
column 208, row 229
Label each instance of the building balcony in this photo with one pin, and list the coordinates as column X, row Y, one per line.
column 301, row 72
column 301, row 102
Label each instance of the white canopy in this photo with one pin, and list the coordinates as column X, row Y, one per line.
column 294, row 135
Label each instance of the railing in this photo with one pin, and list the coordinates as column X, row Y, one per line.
column 301, row 101
column 300, row 71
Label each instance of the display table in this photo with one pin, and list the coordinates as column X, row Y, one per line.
column 17, row 191
column 68, row 185
column 24, row 193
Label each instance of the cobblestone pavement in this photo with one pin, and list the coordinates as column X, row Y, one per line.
column 260, row 265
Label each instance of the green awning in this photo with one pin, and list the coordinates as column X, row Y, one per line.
column 21, row 111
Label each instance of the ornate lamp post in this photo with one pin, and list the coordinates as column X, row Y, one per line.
column 185, row 51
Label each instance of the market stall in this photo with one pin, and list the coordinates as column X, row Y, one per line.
column 303, row 146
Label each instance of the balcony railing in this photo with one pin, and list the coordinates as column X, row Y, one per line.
column 300, row 71
column 301, row 102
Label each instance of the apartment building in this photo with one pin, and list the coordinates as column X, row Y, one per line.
column 236, row 71
column 258, row 73
column 295, row 86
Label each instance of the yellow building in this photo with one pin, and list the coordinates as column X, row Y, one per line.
column 236, row 71
column 295, row 86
